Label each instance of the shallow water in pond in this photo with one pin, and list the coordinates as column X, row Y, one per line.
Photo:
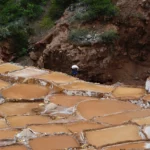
column 67, row 101
column 146, row 98
column 51, row 129
column 123, row 117
column 90, row 109
column 57, row 77
column 128, row 93
column 88, row 87
column 142, row 121
column 11, row 109
column 7, row 134
column 9, row 67
column 129, row 146
column 113, row 135
column 14, row 147
column 3, row 84
column 53, row 142
column 3, row 123
column 25, row 91
column 80, row 126
column 27, row 72
column 21, row 121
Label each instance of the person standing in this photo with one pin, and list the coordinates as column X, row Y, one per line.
column 75, row 70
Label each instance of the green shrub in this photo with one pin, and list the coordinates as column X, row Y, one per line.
column 57, row 8
column 109, row 36
column 47, row 22
column 76, row 36
column 97, row 8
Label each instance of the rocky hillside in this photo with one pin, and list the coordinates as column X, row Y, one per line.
column 107, row 50
column 111, row 47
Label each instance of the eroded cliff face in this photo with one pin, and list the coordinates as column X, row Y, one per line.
column 127, row 60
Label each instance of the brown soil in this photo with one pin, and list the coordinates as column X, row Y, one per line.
column 22, row 121
column 57, row 78
column 67, row 101
column 14, row 147
column 90, row 109
column 88, row 87
column 113, row 135
column 25, row 91
column 138, row 145
column 51, row 129
column 80, row 126
column 123, row 117
column 128, row 93
column 3, row 123
column 27, row 72
column 7, row 134
column 53, row 142
column 11, row 109
column 9, row 67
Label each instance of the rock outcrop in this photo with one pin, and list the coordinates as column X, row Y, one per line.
column 126, row 60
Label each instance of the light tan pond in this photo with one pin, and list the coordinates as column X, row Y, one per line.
column 27, row 72
column 3, row 124
column 67, row 101
column 85, row 86
column 57, row 77
column 8, row 134
column 146, row 98
column 128, row 146
column 90, row 109
column 25, row 91
column 22, row 121
column 142, row 121
column 113, row 135
column 123, row 117
column 51, row 129
column 128, row 93
column 53, row 143
column 14, row 147
column 9, row 67
column 10, row 109
column 80, row 126
column 3, row 84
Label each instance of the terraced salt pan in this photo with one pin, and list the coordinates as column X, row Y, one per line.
column 14, row 147
column 123, row 117
column 93, row 108
column 7, row 134
column 127, row 146
column 85, row 86
column 53, row 143
column 128, row 93
column 27, row 72
column 57, row 77
column 80, row 126
column 10, row 109
column 67, row 101
column 25, row 91
column 22, row 121
column 113, row 135
column 146, row 98
column 50, row 129
column 3, row 84
column 3, row 124
column 142, row 121
column 8, row 67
